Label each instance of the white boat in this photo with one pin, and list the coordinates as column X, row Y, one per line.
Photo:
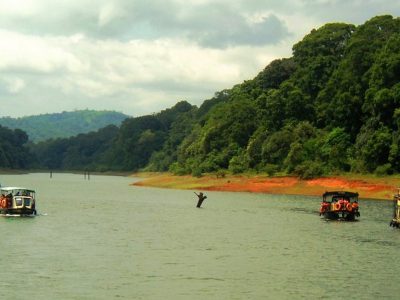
column 17, row 201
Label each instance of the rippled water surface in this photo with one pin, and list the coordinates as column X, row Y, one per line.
column 104, row 239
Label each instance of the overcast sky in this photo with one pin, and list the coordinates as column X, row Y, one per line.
column 141, row 56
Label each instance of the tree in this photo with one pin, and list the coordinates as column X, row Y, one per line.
column 277, row 146
column 373, row 146
column 335, row 149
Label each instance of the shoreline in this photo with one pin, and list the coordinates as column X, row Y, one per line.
column 368, row 186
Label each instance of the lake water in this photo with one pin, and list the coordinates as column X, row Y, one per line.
column 104, row 239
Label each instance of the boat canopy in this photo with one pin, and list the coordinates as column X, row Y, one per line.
column 15, row 189
column 343, row 194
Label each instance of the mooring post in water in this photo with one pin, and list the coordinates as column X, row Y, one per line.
column 88, row 175
column 201, row 197
column 51, row 174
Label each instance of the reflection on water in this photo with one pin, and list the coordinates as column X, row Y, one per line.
column 103, row 239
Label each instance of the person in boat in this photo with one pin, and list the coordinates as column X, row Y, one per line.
column 201, row 197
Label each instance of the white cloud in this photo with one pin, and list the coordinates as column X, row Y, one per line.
column 18, row 7
column 13, row 84
column 108, row 13
column 84, row 71
column 139, row 57
column 22, row 53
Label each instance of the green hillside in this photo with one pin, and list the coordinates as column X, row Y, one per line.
column 62, row 125
column 333, row 107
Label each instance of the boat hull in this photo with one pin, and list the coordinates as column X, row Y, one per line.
column 343, row 216
column 395, row 223
column 396, row 210
column 18, row 211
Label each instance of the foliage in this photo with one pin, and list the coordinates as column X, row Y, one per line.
column 309, row 170
column 14, row 153
column 239, row 163
column 333, row 106
column 85, row 151
column 270, row 169
column 383, row 170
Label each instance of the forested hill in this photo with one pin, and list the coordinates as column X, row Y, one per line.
column 334, row 106
column 65, row 124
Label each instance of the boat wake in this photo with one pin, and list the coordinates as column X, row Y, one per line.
column 22, row 216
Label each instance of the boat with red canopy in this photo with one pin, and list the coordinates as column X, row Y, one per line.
column 339, row 205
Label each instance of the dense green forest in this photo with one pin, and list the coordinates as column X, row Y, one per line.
column 63, row 125
column 14, row 153
column 331, row 107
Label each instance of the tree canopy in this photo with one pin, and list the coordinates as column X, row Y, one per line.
column 334, row 106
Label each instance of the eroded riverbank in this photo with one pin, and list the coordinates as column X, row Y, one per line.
column 368, row 186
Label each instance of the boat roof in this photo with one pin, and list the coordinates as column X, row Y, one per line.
column 340, row 193
column 11, row 188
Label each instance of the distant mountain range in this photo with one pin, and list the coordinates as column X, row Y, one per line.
column 63, row 125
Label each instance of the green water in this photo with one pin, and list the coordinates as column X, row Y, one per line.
column 103, row 239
